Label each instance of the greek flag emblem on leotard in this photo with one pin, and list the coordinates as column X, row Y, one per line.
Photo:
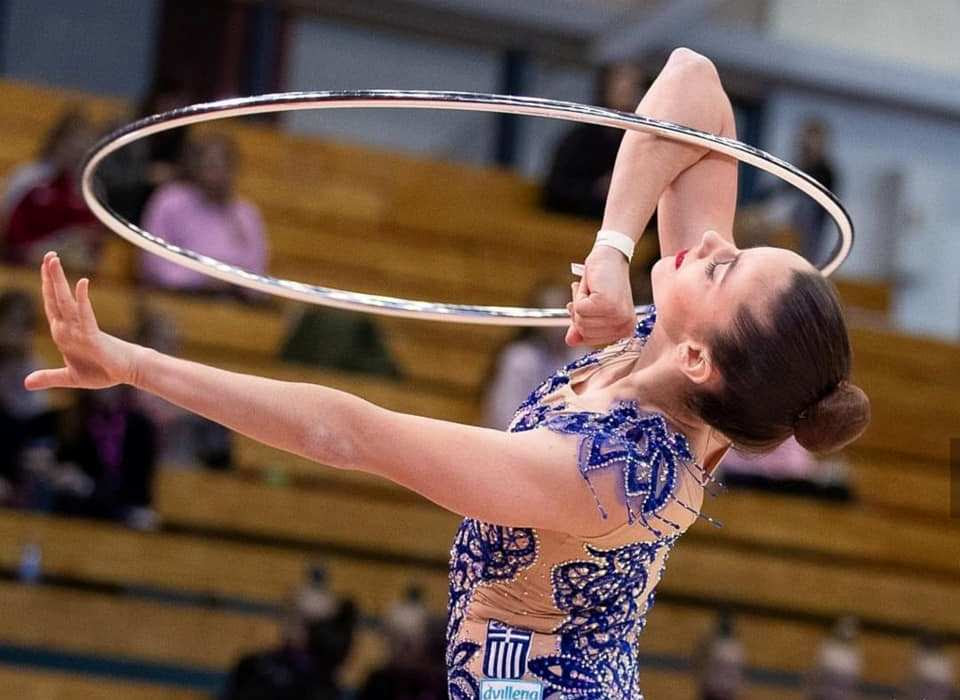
column 505, row 655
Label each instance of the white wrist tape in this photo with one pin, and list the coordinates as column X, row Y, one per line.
column 615, row 239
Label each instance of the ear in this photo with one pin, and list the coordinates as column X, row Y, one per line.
column 694, row 361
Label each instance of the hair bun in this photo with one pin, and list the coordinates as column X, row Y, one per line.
column 835, row 421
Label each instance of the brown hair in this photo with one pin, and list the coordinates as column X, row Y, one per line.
column 788, row 375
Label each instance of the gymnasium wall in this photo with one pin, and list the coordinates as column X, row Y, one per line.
column 333, row 55
column 76, row 44
column 898, row 179
column 921, row 34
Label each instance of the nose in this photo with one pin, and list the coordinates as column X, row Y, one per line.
column 711, row 242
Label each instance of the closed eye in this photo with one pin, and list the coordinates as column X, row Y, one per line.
column 712, row 265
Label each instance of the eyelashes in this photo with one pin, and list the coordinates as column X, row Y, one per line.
column 712, row 265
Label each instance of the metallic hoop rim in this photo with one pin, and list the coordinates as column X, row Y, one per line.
column 420, row 99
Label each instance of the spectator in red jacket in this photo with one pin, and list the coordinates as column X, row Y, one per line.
column 42, row 205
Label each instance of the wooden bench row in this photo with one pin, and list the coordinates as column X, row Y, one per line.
column 908, row 569
column 209, row 638
column 29, row 684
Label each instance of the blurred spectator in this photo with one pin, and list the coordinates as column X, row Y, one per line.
column 315, row 600
column 25, row 416
column 202, row 213
column 789, row 469
column 305, row 665
column 719, row 663
column 415, row 669
column 789, row 205
column 533, row 355
column 338, row 339
column 42, row 206
column 183, row 438
column 582, row 164
column 839, row 665
column 932, row 675
column 114, row 445
column 131, row 174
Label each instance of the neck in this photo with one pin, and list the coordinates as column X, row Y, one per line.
column 661, row 387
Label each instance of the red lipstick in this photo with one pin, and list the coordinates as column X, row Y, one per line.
column 680, row 256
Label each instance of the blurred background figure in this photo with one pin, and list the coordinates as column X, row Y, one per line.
column 314, row 599
column 524, row 362
column 838, row 667
column 25, row 416
column 305, row 665
column 42, row 208
column 789, row 468
column 719, row 663
column 788, row 206
column 131, row 174
column 932, row 675
column 414, row 669
column 582, row 163
column 183, row 438
column 337, row 339
column 202, row 212
column 109, row 441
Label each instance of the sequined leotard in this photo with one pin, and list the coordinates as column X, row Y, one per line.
column 538, row 614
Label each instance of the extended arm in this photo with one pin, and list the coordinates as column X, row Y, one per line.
column 527, row 479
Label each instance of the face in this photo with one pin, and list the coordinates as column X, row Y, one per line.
column 704, row 293
column 811, row 142
column 212, row 168
column 723, row 673
column 67, row 153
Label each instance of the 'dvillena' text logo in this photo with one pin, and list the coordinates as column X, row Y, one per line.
column 510, row 690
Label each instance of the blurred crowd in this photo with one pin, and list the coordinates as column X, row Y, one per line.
column 320, row 637
column 94, row 454
column 722, row 667
column 328, row 651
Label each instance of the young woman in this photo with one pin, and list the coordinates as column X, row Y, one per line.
column 571, row 513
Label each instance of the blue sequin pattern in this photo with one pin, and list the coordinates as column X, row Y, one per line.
column 601, row 596
column 602, row 599
column 640, row 445
column 481, row 553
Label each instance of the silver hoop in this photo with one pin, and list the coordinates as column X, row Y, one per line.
column 420, row 99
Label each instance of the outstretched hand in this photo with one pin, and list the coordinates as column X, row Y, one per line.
column 92, row 359
column 602, row 309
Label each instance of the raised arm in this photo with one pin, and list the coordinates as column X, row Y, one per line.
column 525, row 479
column 692, row 189
column 695, row 189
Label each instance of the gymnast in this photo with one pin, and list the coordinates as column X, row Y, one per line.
column 571, row 513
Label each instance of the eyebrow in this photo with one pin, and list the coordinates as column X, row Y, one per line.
column 733, row 264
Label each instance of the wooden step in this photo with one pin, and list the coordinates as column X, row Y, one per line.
column 30, row 684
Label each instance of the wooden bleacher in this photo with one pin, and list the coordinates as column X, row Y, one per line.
column 425, row 229
column 25, row 684
column 149, row 560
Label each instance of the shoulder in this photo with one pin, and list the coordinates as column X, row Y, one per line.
column 173, row 194
column 248, row 212
column 27, row 175
column 634, row 462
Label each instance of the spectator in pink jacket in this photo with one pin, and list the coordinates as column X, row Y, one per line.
column 203, row 214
